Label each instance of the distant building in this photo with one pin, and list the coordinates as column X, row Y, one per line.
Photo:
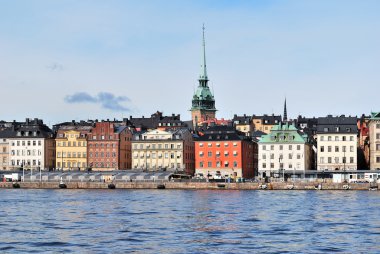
column 284, row 148
column 156, row 121
column 243, row 123
column 30, row 145
column 203, row 102
column 159, row 149
column 4, row 153
column 374, row 140
column 337, row 143
column 109, row 146
column 71, row 146
column 224, row 152
column 265, row 123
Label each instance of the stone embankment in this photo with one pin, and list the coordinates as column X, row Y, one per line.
column 195, row 185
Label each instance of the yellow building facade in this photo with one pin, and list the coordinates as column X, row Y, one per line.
column 71, row 149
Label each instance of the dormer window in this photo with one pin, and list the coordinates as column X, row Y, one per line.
column 337, row 129
column 325, row 129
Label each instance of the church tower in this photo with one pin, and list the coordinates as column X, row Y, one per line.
column 203, row 103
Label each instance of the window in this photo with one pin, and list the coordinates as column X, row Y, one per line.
column 325, row 129
column 378, row 126
column 344, row 138
column 377, row 135
column 209, row 164
column 351, row 138
column 329, row 138
column 272, row 147
column 378, row 159
column 351, row 159
column 264, row 156
column 329, row 149
column 290, row 147
column 272, row 165
column 322, row 149
column 344, row 148
column 298, row 147
column 225, row 144
column 226, row 164
column 322, row 138
column 336, row 148
column 201, row 154
column 217, row 154
column 209, row 144
column 265, row 165
column 322, row 160
column 217, row 144
column 209, row 154
column 272, row 156
column 344, row 159
column 329, row 160
column 281, row 147
column 235, row 164
column 235, row 153
column 336, row 138
column 290, row 156
column 298, row 156
column 336, row 159
column 264, row 147
column 235, row 144
column 218, row 164
column 200, row 144
column 377, row 147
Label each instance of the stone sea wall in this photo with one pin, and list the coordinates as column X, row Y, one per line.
column 193, row 185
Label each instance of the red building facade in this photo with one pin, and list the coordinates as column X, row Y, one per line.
column 224, row 152
column 109, row 146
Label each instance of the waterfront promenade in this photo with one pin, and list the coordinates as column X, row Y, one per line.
column 196, row 185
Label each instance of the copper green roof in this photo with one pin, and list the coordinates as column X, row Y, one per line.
column 283, row 133
column 375, row 115
column 203, row 99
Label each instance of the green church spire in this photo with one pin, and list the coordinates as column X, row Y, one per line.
column 203, row 74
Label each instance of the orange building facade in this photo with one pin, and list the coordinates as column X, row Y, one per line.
column 223, row 152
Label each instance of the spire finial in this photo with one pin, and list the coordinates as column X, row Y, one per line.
column 285, row 112
column 203, row 74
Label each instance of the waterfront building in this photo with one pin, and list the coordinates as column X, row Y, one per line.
column 109, row 146
column 222, row 151
column 203, row 102
column 265, row 122
column 337, row 143
column 243, row 124
column 158, row 149
column 284, row 148
column 30, row 145
column 156, row 121
column 71, row 146
column 374, row 140
column 4, row 153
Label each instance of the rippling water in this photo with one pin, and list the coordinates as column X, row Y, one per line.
column 183, row 221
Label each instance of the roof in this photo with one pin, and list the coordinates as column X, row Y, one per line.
column 29, row 129
column 339, row 124
column 283, row 133
column 242, row 119
column 375, row 115
column 268, row 119
column 222, row 133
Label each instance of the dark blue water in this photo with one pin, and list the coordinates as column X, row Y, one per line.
column 176, row 221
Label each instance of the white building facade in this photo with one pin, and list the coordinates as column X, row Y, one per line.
column 337, row 139
column 284, row 148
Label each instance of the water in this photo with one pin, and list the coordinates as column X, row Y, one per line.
column 183, row 221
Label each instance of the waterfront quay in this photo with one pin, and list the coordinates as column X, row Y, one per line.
column 162, row 180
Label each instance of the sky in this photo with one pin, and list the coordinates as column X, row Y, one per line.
column 90, row 59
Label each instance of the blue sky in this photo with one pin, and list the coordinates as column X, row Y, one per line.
column 324, row 56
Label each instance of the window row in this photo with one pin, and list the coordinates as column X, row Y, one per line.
column 281, row 166
column 157, row 146
column 71, row 164
column 336, row 138
column 336, row 160
column 157, row 155
column 102, row 154
column 71, row 155
column 217, row 164
column 217, row 154
column 281, row 156
column 33, row 152
column 336, row 149
column 26, row 143
column 282, row 147
column 216, row 144
column 73, row 143
column 26, row 162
